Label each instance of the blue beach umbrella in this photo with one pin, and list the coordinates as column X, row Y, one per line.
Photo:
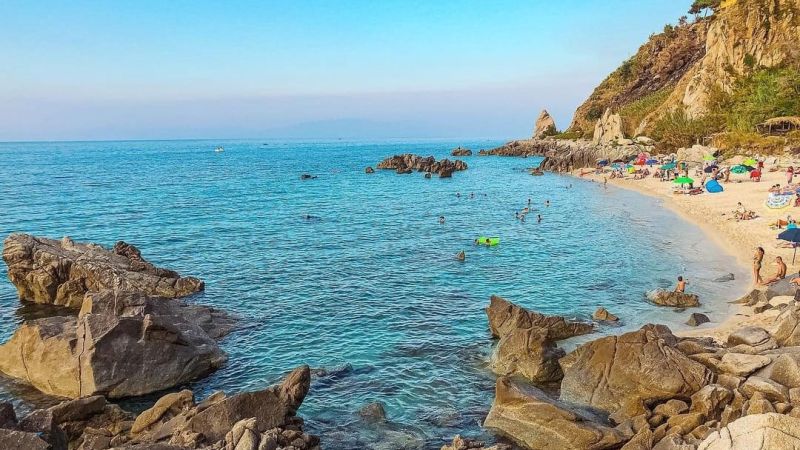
column 652, row 161
column 791, row 235
column 668, row 166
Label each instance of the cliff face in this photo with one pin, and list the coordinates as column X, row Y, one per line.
column 680, row 67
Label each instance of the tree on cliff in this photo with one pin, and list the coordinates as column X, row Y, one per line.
column 704, row 5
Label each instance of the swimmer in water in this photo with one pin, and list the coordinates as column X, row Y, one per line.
column 441, row 219
column 458, row 194
column 539, row 218
column 547, row 203
column 529, row 202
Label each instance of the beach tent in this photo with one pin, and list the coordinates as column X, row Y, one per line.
column 714, row 187
column 791, row 235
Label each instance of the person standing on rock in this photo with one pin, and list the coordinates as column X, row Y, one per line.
column 681, row 287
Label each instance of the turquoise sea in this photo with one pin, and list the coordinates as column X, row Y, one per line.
column 368, row 288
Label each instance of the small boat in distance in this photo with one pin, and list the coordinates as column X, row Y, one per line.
column 219, row 150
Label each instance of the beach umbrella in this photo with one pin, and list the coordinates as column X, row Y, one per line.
column 710, row 169
column 683, row 180
column 668, row 166
column 708, row 158
column 652, row 161
column 748, row 168
column 791, row 235
column 602, row 162
column 631, row 170
column 750, row 162
column 739, row 169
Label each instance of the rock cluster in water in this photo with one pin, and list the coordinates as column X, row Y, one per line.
column 648, row 389
column 131, row 336
column 461, row 151
column 408, row 162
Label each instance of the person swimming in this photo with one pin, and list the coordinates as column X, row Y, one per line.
column 461, row 256
column 441, row 220
column 539, row 218
column 547, row 203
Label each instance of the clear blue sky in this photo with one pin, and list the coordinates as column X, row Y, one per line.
column 383, row 68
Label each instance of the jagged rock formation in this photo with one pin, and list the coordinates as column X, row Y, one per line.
column 617, row 373
column 505, row 317
column 121, row 344
column 461, row 151
column 529, row 417
column 257, row 420
column 608, row 129
column 408, row 162
column 62, row 272
column 545, row 125
column 663, row 297
column 566, row 155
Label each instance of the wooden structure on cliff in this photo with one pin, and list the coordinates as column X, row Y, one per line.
column 779, row 125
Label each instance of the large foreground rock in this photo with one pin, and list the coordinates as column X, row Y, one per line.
column 662, row 297
column 121, row 344
column 528, row 352
column 505, row 317
column 756, row 432
column 62, row 272
column 622, row 374
column 527, row 416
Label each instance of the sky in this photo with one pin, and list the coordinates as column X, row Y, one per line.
column 105, row 70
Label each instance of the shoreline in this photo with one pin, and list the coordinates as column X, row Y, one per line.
column 738, row 241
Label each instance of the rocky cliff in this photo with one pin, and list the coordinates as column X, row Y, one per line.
column 680, row 68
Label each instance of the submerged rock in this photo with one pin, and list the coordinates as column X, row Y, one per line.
column 62, row 272
column 603, row 315
column 620, row 374
column 724, row 278
column 373, row 412
column 527, row 416
column 505, row 317
column 121, row 344
column 663, row 297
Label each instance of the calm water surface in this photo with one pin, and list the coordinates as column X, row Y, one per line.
column 369, row 289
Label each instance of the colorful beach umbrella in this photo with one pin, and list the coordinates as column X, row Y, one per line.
column 791, row 235
column 708, row 158
column 750, row 162
column 652, row 161
column 668, row 166
column 683, row 180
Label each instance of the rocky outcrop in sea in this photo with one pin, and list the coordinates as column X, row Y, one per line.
column 408, row 162
column 62, row 272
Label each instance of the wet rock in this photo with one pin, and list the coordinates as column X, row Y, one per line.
column 307, row 176
column 755, row 432
column 619, row 374
column 121, row 344
column 373, row 412
column 62, row 272
column 697, row 319
column 505, row 317
column 603, row 315
column 663, row 297
column 8, row 418
column 724, row 278
column 22, row 440
column 527, row 416
column 528, row 352
column 461, row 151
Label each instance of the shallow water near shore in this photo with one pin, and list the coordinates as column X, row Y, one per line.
column 368, row 288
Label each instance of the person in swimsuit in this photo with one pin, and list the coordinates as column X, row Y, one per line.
column 780, row 273
column 758, row 257
column 681, row 287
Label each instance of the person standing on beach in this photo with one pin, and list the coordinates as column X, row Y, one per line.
column 789, row 175
column 758, row 257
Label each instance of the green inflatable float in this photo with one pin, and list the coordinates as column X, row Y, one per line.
column 490, row 241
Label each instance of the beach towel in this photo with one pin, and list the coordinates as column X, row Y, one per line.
column 777, row 201
column 714, row 187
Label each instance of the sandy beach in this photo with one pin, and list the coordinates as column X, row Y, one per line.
column 713, row 213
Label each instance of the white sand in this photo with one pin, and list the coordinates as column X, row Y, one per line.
column 713, row 213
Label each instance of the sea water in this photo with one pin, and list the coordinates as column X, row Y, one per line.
column 367, row 290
